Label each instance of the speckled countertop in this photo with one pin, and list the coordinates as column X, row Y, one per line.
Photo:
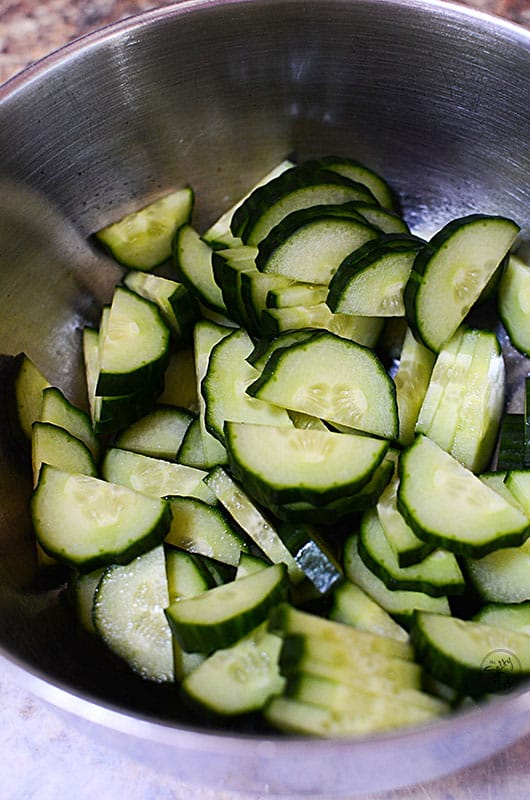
column 43, row 756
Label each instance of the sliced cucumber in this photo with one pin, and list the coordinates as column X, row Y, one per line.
column 129, row 615
column 201, row 528
column 398, row 602
column 53, row 445
column 176, row 303
column 238, row 679
column 363, row 330
column 221, row 616
column 158, row 434
column 251, row 520
column 438, row 574
column 286, row 465
column 134, row 347
column 310, row 244
column 411, row 380
column 206, row 335
column 142, row 240
column 192, row 262
column 355, row 171
column 502, row 576
column 450, row 273
column 180, row 385
column 30, row 383
column 352, row 606
column 86, row 522
column 57, row 410
column 310, row 377
column 473, row 657
column 370, row 280
column 513, row 300
column 153, row 476
column 511, row 452
column 446, row 504
column 514, row 617
column 186, row 574
column 408, row 548
column 223, row 388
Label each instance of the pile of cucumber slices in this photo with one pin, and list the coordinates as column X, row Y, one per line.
column 295, row 492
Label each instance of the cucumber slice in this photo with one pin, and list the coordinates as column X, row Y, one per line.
column 513, row 299
column 480, row 412
column 309, row 377
column 221, row 616
column 400, row 603
column 180, row 386
column 142, row 240
column 134, row 347
column 248, row 564
column 57, row 410
column 502, row 576
column 437, row 575
column 219, row 231
column 53, row 445
column 295, row 293
column 355, row 171
column 129, row 615
column 206, row 335
column 363, row 330
column 384, row 219
column 285, row 465
column 310, row 244
column 84, row 589
column 449, row 275
column 408, row 548
column 352, row 606
column 192, row 262
column 319, row 634
column 191, row 451
column 370, row 280
column 446, row 504
column 186, row 574
column 158, row 434
column 473, row 657
column 241, row 508
column 298, row 188
column 506, row 615
column 239, row 679
column 153, row 476
column 30, row 384
column 176, row 303
column 223, row 388
column 511, row 452
column 86, row 522
column 198, row 527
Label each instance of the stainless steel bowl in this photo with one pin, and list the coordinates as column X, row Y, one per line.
column 434, row 96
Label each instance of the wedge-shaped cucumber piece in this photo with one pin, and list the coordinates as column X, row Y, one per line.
column 450, row 273
column 153, row 476
column 129, row 615
column 446, row 504
column 412, row 380
column 332, row 378
column 248, row 516
column 133, row 345
column 221, row 616
column 224, row 384
column 285, row 465
column 198, row 527
column 87, row 522
column 205, row 336
column 371, row 279
column 285, row 620
column 192, row 261
column 176, row 303
column 356, row 171
column 158, row 434
column 511, row 452
column 297, row 188
column 238, row 679
column 513, row 616
column 474, row 657
column 51, row 444
column 311, row 243
column 514, row 302
column 438, row 574
column 58, row 410
column 409, row 549
column 142, row 240
column 502, row 576
column 400, row 603
column 364, row 330
column 352, row 606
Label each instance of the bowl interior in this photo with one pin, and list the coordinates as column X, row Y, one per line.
column 432, row 96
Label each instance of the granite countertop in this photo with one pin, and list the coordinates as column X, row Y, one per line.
column 43, row 756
